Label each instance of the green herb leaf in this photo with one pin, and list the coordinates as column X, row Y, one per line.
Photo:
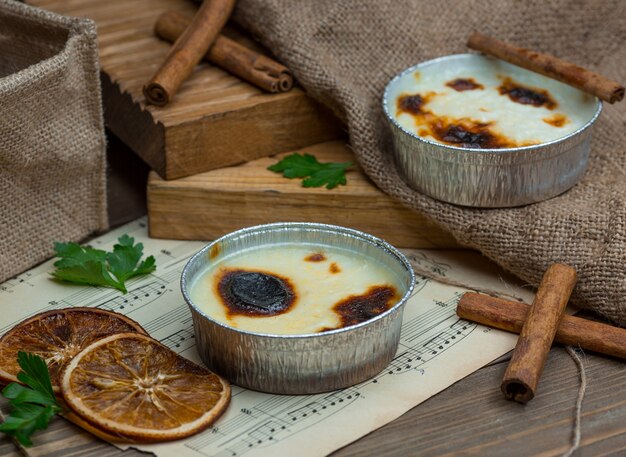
column 20, row 394
column 32, row 406
column 34, row 373
column 124, row 260
column 85, row 265
column 330, row 174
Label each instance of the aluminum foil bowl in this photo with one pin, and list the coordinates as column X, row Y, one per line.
column 488, row 178
column 308, row 363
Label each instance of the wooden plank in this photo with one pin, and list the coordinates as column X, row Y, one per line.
column 211, row 204
column 469, row 418
column 216, row 120
column 473, row 418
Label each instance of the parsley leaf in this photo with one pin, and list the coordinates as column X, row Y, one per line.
column 317, row 174
column 32, row 406
column 124, row 260
column 86, row 265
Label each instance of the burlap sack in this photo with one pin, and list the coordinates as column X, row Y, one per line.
column 52, row 149
column 344, row 52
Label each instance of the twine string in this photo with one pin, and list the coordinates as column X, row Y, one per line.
column 576, row 432
column 579, row 400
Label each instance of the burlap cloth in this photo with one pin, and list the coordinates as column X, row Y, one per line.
column 345, row 51
column 52, row 147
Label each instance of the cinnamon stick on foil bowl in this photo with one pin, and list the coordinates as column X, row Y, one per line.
column 476, row 131
column 551, row 66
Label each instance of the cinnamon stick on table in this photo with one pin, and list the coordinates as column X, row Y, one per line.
column 188, row 50
column 239, row 60
column 553, row 67
column 530, row 354
column 574, row 331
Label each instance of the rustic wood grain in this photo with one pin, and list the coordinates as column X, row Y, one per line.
column 209, row 205
column 472, row 417
column 216, row 119
column 469, row 418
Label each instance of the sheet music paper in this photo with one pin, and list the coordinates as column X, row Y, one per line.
column 436, row 350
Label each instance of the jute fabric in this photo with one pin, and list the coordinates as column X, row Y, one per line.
column 52, row 146
column 345, row 51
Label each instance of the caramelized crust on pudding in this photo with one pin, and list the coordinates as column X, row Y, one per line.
column 463, row 132
column 461, row 84
column 360, row 308
column 440, row 101
column 468, row 133
column 315, row 257
column 526, row 95
column 254, row 293
column 274, row 289
column 411, row 104
column 558, row 120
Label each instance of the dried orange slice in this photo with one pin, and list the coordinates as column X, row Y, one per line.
column 131, row 386
column 57, row 336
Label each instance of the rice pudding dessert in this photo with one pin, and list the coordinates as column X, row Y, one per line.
column 485, row 103
column 295, row 289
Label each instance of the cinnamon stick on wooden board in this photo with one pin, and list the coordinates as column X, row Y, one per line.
column 249, row 65
column 574, row 331
column 537, row 334
column 188, row 51
column 553, row 67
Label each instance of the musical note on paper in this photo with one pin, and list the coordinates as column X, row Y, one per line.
column 180, row 340
column 16, row 281
column 428, row 263
column 255, row 424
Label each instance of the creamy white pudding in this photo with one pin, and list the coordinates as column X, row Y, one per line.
column 485, row 103
column 295, row 289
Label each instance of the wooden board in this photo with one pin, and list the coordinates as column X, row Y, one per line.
column 215, row 120
column 211, row 204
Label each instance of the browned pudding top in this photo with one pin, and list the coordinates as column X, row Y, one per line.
column 526, row 95
column 462, row 84
column 315, row 257
column 466, row 133
column 254, row 293
column 462, row 132
column 411, row 104
column 355, row 309
column 558, row 120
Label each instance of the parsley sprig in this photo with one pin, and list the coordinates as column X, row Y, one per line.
column 86, row 265
column 33, row 405
column 317, row 174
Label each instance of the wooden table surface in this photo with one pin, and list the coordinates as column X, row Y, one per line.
column 469, row 418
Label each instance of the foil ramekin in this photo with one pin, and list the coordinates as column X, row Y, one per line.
column 308, row 363
column 488, row 178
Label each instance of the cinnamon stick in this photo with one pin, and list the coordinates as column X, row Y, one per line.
column 249, row 65
column 537, row 334
column 188, row 50
column 548, row 65
column 573, row 331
